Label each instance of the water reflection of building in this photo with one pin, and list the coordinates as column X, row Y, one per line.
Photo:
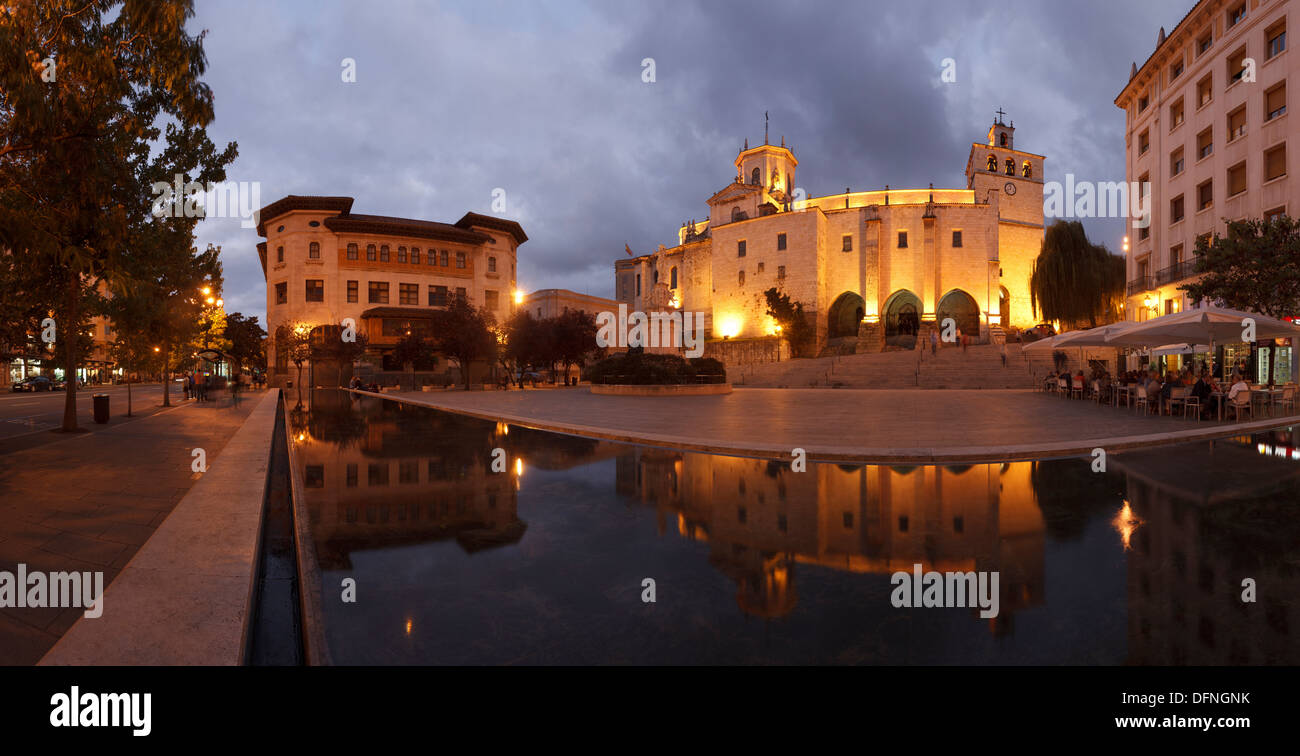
column 1210, row 519
column 761, row 519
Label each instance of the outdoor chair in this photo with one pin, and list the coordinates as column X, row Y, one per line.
column 1192, row 403
column 1063, row 386
column 1287, row 401
column 1077, row 391
column 1096, row 391
column 1177, row 395
column 1239, row 403
column 1141, row 399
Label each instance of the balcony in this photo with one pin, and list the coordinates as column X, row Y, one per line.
column 1176, row 272
column 1139, row 285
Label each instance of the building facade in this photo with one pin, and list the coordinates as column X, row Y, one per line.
column 1207, row 127
column 552, row 303
column 324, row 264
column 874, row 268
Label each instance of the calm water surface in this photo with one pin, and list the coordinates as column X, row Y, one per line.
column 753, row 563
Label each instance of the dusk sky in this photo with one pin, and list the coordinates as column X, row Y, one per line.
column 545, row 100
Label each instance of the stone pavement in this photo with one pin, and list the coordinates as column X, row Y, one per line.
column 891, row 426
column 88, row 501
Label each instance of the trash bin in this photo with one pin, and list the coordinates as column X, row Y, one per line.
column 101, row 408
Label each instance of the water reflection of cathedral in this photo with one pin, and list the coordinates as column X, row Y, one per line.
column 1208, row 521
column 762, row 519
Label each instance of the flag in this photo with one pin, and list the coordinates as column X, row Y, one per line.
column 629, row 249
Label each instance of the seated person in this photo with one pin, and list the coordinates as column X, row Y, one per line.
column 1238, row 385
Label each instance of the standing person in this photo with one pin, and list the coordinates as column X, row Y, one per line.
column 934, row 342
column 1003, row 350
column 963, row 343
column 185, row 381
column 201, row 385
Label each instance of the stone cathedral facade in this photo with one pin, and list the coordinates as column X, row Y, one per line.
column 876, row 269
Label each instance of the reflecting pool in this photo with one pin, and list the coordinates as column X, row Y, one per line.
column 540, row 553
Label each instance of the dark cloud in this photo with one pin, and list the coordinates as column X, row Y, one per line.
column 546, row 101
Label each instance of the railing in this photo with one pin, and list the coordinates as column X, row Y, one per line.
column 1176, row 272
column 1138, row 285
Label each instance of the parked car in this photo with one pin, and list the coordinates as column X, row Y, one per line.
column 1040, row 331
column 38, row 383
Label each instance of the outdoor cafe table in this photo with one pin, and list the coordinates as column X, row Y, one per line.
column 1122, row 388
column 1222, row 397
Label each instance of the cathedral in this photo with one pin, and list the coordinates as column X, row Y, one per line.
column 876, row 269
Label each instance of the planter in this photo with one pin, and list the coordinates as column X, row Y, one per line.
column 686, row 389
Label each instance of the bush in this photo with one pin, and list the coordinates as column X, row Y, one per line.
column 641, row 369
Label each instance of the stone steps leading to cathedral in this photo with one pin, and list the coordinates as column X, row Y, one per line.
column 978, row 367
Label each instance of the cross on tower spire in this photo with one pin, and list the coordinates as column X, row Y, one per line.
column 764, row 127
column 1000, row 113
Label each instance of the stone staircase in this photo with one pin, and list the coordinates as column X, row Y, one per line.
column 979, row 367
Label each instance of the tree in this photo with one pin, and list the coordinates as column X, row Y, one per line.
column 247, row 341
column 410, row 349
column 293, row 340
column 328, row 345
column 1075, row 281
column 464, row 333
column 1256, row 268
column 84, row 87
column 791, row 321
column 574, row 337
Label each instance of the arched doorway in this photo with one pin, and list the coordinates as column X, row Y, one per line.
column 961, row 307
column 902, row 318
column 845, row 315
column 1004, row 307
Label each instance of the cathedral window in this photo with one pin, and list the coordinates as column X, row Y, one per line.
column 780, row 241
column 902, row 240
column 1011, row 167
column 753, row 177
column 672, row 278
column 656, row 276
column 742, row 278
column 848, row 243
column 956, row 238
column 740, row 248
column 993, row 164
column 1004, row 139
column 1026, row 170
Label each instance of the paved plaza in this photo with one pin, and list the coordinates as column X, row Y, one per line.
column 87, row 501
column 843, row 424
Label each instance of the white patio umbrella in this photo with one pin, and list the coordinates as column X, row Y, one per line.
column 1204, row 325
column 1180, row 349
column 1095, row 336
column 1047, row 344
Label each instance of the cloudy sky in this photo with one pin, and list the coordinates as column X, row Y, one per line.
column 545, row 100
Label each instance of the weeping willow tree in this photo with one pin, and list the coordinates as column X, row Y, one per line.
column 1075, row 281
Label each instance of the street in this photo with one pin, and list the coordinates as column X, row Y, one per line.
column 23, row 413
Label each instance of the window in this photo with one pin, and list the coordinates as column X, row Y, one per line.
column 313, row 251
column 415, row 255
column 638, row 284
column 672, row 278
column 1205, row 143
column 1274, row 214
column 1011, row 167
column 753, row 177
column 370, row 252
column 760, row 267
column 956, row 238
column 443, row 261
column 492, row 264
column 378, row 293
column 1144, row 233
column 383, row 253
column 352, row 291
column 352, row 251
column 1175, row 254
column 281, row 293
column 461, row 293
column 1176, row 162
column 1176, row 70
column 377, row 475
column 460, row 259
column 279, row 254
column 437, row 296
column 655, row 277
column 1237, row 179
column 1204, row 43
column 1144, row 142
column 1205, row 90
column 1176, row 114
column 780, row 242
column 847, row 243
column 315, row 290
column 1143, row 102
column 408, row 293
column 1026, row 170
column 741, row 278
column 352, row 475
column 1275, row 162
column 401, row 254
column 902, row 240
column 1176, row 209
column 1275, row 102
column 1236, row 14
column 1236, row 66
column 993, row 164
column 740, row 248
column 1205, row 195
column 491, row 299
column 780, row 272
column 1236, row 123
column 1276, row 37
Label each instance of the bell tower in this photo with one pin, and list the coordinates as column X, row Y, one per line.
column 1000, row 134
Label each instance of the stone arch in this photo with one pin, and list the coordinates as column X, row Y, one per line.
column 845, row 315
column 1004, row 306
column 902, row 317
column 754, row 177
column 963, row 309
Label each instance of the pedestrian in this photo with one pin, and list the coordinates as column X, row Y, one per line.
column 1003, row 350
column 963, row 343
column 934, row 343
column 201, row 385
column 185, row 381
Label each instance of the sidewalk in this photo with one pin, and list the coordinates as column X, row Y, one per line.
column 88, row 501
